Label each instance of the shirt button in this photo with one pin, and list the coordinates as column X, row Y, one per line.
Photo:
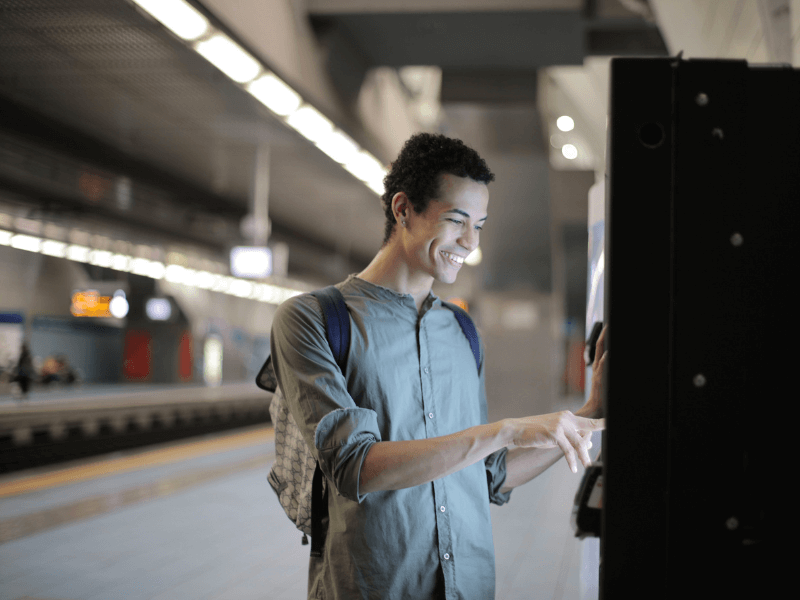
column 447, row 556
column 441, row 508
column 430, row 415
column 427, row 370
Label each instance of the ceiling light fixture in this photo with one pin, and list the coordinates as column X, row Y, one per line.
column 229, row 57
column 275, row 95
column 565, row 123
column 365, row 166
column 339, row 146
column 569, row 151
column 178, row 16
column 310, row 123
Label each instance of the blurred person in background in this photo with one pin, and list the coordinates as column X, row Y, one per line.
column 24, row 372
column 56, row 369
column 410, row 462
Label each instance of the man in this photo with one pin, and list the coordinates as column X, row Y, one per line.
column 402, row 437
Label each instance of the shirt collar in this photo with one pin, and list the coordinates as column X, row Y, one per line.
column 380, row 292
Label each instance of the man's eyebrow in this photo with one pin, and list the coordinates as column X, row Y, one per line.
column 461, row 212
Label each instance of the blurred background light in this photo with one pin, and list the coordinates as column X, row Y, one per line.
column 251, row 261
column 212, row 360
column 275, row 94
column 569, row 151
column 475, row 257
column 339, row 146
column 376, row 185
column 54, row 248
column 26, row 242
column 365, row 167
column 310, row 123
column 119, row 305
column 158, row 309
column 120, row 262
column 101, row 258
column 229, row 57
column 565, row 123
column 179, row 16
column 78, row 253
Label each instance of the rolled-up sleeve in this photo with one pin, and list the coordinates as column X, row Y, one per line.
column 496, row 476
column 338, row 432
column 343, row 439
column 495, row 463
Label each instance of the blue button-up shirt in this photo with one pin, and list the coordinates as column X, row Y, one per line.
column 410, row 375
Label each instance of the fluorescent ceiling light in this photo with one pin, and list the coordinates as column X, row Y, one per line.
column 121, row 262
column 102, row 258
column 54, row 248
column 177, row 15
column 275, row 94
column 26, row 242
column 565, row 123
column 310, row 123
column 5, row 237
column 376, row 185
column 365, row 166
column 241, row 288
column 228, row 57
column 339, row 146
column 569, row 151
column 251, row 261
column 204, row 280
column 78, row 253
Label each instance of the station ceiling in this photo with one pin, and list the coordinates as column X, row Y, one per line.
column 96, row 87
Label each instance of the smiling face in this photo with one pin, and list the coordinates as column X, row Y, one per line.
column 438, row 240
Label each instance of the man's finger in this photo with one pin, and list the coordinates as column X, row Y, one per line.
column 579, row 443
column 585, row 424
column 599, row 347
column 569, row 453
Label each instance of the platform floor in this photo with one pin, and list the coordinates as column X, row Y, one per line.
column 197, row 520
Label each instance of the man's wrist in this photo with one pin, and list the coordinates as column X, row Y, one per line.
column 507, row 431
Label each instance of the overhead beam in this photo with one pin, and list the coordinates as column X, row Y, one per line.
column 321, row 7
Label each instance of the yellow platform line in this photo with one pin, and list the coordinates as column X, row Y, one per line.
column 143, row 460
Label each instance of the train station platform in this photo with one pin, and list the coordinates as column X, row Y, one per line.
column 86, row 412
column 196, row 520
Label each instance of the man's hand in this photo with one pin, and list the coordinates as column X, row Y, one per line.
column 565, row 430
column 594, row 405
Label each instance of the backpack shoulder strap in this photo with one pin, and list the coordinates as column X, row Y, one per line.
column 337, row 322
column 337, row 331
column 468, row 327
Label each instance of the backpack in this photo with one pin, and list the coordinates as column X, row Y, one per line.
column 295, row 475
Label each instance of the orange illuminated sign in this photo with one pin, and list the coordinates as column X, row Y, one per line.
column 90, row 304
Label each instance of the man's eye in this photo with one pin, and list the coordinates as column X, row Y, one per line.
column 479, row 228
column 456, row 221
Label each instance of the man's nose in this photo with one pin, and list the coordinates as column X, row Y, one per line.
column 469, row 239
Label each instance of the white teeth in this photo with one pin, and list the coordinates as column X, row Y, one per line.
column 453, row 258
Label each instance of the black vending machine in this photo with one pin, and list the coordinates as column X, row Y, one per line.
column 702, row 240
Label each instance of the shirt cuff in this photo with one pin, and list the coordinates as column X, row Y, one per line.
column 343, row 438
column 496, row 476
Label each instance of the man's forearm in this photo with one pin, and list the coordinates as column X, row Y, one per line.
column 523, row 464
column 403, row 464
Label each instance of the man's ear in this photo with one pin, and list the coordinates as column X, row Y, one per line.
column 400, row 206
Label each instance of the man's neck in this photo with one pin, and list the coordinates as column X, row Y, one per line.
column 390, row 268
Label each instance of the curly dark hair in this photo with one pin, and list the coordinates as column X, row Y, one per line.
column 416, row 171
